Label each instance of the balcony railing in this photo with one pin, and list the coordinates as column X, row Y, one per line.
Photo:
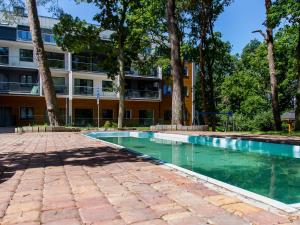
column 4, row 59
column 61, row 89
column 23, row 35
column 19, row 88
column 84, row 66
column 142, row 94
column 56, row 63
column 28, row 62
column 83, row 90
column 139, row 73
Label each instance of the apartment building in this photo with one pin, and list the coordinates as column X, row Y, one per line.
column 78, row 80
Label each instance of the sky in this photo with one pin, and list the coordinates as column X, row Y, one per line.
column 236, row 23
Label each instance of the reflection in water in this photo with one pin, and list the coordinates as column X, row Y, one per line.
column 275, row 176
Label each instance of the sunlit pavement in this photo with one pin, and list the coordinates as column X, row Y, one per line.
column 69, row 179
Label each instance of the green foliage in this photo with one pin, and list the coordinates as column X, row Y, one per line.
column 109, row 124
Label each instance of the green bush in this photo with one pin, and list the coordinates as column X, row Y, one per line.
column 109, row 124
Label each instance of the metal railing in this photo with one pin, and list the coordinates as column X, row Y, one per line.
column 84, row 66
column 83, row 90
column 19, row 88
column 153, row 72
column 142, row 94
column 23, row 35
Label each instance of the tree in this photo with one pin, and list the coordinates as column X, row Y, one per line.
column 177, row 70
column 268, row 37
column 128, row 38
column 290, row 11
column 45, row 73
column 203, row 15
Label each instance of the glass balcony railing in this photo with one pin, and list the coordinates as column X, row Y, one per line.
column 152, row 72
column 84, row 66
column 4, row 59
column 142, row 94
column 56, row 63
column 23, row 35
column 19, row 88
column 61, row 89
column 83, row 90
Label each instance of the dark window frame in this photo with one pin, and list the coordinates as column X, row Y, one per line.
column 27, row 117
column 23, row 58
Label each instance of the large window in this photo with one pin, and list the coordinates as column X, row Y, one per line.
column 56, row 60
column 59, row 85
column 127, row 114
column 26, row 113
column 3, row 55
column 107, row 86
column 26, row 79
column 83, row 87
column 107, row 113
column 26, row 55
column 167, row 115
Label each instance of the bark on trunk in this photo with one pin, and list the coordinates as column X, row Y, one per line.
column 272, row 71
column 177, row 71
column 297, row 113
column 121, row 88
column 205, row 109
column 45, row 74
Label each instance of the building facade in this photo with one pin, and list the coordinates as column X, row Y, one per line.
column 78, row 80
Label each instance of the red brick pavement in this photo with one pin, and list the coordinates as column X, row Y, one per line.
column 68, row 179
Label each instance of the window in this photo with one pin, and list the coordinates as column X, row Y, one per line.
column 185, row 71
column 168, row 115
column 26, row 113
column 83, row 87
column 26, row 79
column 26, row 55
column 107, row 86
column 59, row 85
column 56, row 60
column 107, row 113
column 3, row 55
column 127, row 114
column 167, row 89
column 185, row 91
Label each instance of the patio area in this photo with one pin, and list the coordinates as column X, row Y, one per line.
column 69, row 179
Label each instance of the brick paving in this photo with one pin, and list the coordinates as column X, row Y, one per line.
column 69, row 179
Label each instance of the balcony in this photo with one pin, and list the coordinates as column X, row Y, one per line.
column 23, row 35
column 15, row 61
column 84, row 90
column 150, row 73
column 56, row 63
column 19, row 88
column 87, row 67
column 142, row 94
column 61, row 89
column 4, row 59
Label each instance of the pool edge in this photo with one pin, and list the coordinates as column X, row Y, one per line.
column 288, row 208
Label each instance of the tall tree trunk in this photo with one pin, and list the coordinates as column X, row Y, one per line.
column 121, row 87
column 177, row 71
column 272, row 71
column 205, row 109
column 297, row 113
column 48, row 86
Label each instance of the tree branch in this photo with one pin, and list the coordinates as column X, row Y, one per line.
column 261, row 32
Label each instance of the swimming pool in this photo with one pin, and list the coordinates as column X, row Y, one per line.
column 271, row 170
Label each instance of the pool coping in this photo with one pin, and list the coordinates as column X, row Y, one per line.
column 288, row 208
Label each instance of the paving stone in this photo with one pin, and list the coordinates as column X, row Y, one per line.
column 23, row 207
column 59, row 214
column 164, row 209
column 21, row 217
column 241, row 209
column 220, row 200
column 91, row 202
column 184, row 218
column 72, row 221
column 152, row 222
column 138, row 215
column 266, row 218
column 97, row 214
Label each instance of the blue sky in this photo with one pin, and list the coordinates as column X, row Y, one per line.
column 236, row 23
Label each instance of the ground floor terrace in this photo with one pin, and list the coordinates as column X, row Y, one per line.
column 67, row 178
column 31, row 110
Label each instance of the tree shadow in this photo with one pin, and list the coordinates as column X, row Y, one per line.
column 89, row 156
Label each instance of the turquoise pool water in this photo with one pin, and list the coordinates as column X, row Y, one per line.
column 248, row 165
